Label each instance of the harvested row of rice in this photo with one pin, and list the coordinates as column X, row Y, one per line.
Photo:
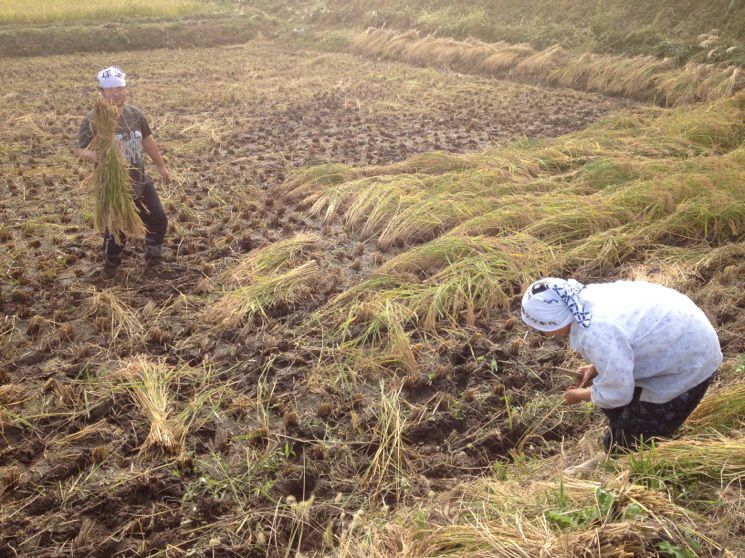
column 641, row 77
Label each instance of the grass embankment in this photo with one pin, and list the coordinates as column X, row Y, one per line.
column 643, row 77
column 43, row 11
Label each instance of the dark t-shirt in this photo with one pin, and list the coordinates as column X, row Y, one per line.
column 131, row 129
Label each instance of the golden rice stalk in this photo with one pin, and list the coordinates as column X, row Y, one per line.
column 473, row 57
column 541, row 64
column 574, row 72
column 115, row 210
column 719, row 458
column 246, row 302
column 270, row 259
column 720, row 84
column 149, row 391
column 505, row 58
column 372, row 41
column 422, row 220
column 722, row 408
column 395, row 47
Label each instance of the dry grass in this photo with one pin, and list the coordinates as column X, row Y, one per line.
column 388, row 465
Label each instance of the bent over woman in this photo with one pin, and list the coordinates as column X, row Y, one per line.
column 652, row 351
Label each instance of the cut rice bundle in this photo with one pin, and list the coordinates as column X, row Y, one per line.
column 115, row 210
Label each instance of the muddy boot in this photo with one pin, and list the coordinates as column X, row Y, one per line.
column 153, row 256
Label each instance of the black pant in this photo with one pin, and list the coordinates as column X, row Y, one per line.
column 641, row 420
column 153, row 216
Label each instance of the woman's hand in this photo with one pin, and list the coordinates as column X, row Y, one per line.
column 585, row 374
column 576, row 395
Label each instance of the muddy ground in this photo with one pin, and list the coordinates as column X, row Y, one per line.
column 233, row 122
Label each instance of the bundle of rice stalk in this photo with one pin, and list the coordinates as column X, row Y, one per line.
column 681, row 87
column 722, row 408
column 542, row 63
column 605, row 249
column 716, row 216
column 115, row 210
column 447, row 53
column 433, row 162
column 480, row 283
column 318, row 178
column 575, row 72
column 638, row 77
column 246, row 302
column 395, row 47
column 506, row 58
column 473, row 56
column 589, row 216
column 371, row 41
column 373, row 205
column 270, row 259
column 719, row 458
column 481, row 539
column 420, row 51
column 434, row 214
column 149, row 391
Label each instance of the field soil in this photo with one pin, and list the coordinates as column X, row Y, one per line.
column 233, row 122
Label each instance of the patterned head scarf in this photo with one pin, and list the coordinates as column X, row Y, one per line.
column 110, row 77
column 551, row 303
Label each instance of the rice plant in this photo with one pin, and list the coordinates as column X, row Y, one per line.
column 172, row 399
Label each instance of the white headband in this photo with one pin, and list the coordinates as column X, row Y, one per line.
column 551, row 303
column 111, row 77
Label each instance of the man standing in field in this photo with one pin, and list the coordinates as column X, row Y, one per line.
column 133, row 135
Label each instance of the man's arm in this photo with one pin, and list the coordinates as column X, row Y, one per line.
column 85, row 139
column 151, row 148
